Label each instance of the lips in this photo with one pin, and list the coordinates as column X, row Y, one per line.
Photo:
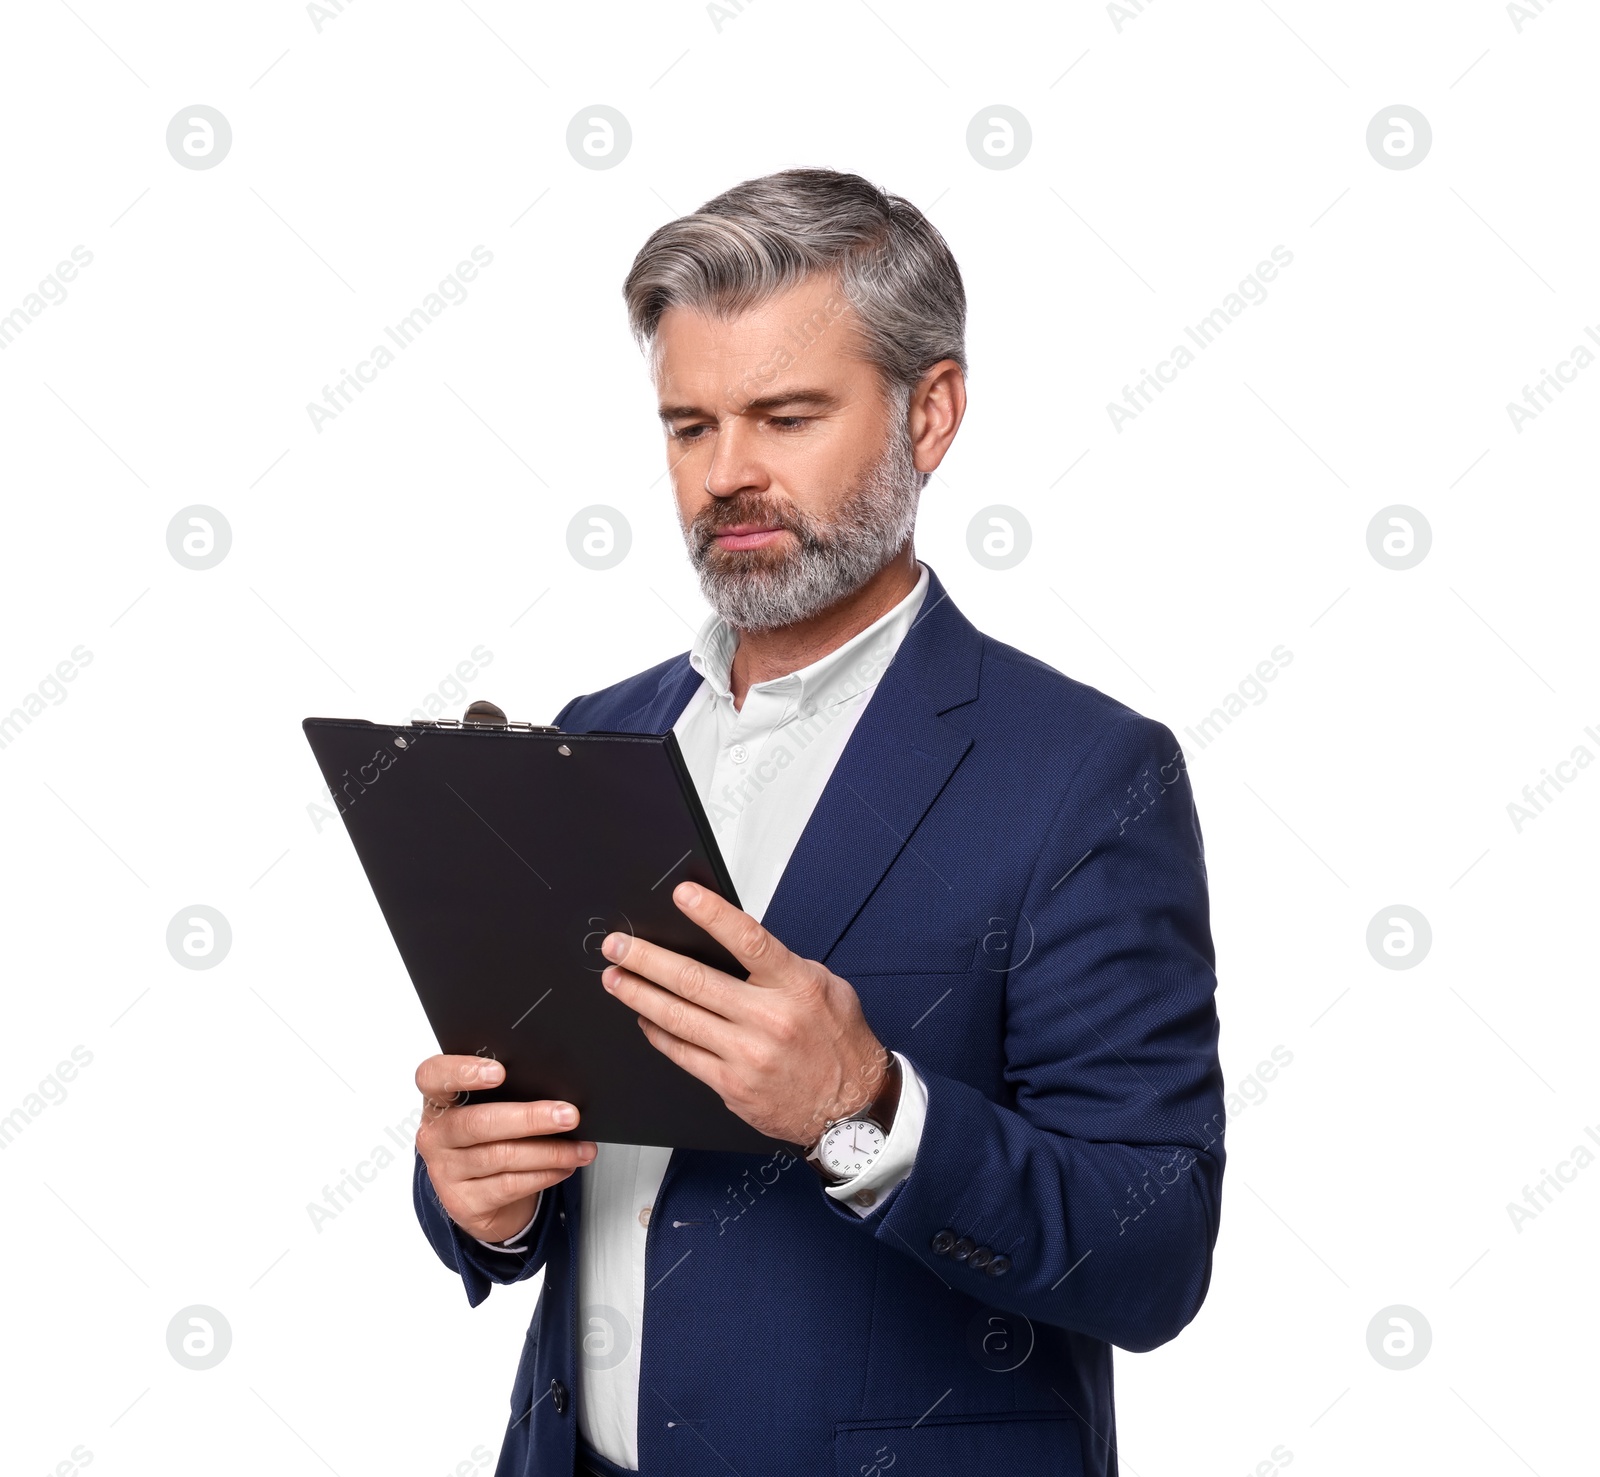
column 748, row 536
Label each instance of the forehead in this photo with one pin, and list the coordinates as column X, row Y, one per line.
column 809, row 328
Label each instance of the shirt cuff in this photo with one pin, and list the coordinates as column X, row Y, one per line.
column 511, row 1243
column 867, row 1192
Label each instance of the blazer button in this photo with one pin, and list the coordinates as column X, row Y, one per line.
column 963, row 1248
column 558, row 1396
column 999, row 1266
column 980, row 1258
column 942, row 1243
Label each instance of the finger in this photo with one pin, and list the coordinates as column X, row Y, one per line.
column 670, row 1011
column 484, row 1197
column 765, row 958
column 483, row 1123
column 709, row 988
column 695, row 1060
column 442, row 1079
column 516, row 1156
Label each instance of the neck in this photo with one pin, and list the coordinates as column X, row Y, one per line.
column 763, row 655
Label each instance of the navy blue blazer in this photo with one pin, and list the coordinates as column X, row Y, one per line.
column 1008, row 867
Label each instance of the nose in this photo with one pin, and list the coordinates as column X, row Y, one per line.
column 735, row 462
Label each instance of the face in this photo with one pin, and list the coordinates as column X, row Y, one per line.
column 792, row 465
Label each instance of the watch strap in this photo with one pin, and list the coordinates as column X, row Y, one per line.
column 880, row 1112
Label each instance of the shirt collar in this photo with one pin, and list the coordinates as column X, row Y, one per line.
column 842, row 673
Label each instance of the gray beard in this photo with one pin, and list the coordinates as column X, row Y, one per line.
column 755, row 591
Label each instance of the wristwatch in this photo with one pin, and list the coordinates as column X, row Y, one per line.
column 850, row 1146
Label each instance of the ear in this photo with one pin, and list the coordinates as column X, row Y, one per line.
column 933, row 414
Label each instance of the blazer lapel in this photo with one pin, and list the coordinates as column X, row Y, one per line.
column 897, row 760
column 677, row 686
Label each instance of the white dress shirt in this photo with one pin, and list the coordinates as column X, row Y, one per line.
column 759, row 771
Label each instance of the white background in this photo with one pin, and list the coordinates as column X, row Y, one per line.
column 1171, row 151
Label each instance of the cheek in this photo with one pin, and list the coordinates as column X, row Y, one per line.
column 688, row 485
column 812, row 472
column 836, row 461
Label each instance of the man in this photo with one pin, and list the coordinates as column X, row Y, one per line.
column 980, row 993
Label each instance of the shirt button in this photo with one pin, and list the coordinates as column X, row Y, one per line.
column 738, row 753
column 980, row 1258
column 558, row 1396
column 963, row 1248
column 644, row 1216
column 942, row 1243
column 999, row 1266
column 865, row 1198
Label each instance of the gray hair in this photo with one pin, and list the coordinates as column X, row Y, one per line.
column 765, row 235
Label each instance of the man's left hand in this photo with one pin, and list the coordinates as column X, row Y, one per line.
column 788, row 1049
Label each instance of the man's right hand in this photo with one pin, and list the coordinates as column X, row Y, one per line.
column 489, row 1161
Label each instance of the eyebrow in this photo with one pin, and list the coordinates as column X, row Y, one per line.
column 816, row 399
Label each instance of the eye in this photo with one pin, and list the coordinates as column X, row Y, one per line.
column 688, row 433
column 790, row 422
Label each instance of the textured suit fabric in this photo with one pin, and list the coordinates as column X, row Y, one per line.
column 1008, row 867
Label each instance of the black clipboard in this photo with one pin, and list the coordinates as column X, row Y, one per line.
column 501, row 854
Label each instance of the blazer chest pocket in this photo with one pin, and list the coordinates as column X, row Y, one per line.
column 1017, row 1444
column 909, row 953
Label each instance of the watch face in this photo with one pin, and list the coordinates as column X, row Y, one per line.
column 849, row 1147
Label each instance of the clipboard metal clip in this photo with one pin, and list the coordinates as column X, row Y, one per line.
column 484, row 714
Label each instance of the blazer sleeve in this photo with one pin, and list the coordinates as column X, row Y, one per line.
column 478, row 1266
column 1098, row 1179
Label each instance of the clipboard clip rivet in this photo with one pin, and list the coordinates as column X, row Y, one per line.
column 399, row 742
column 564, row 750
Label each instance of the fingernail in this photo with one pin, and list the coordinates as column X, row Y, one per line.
column 491, row 1072
column 566, row 1115
column 615, row 945
column 608, row 979
column 586, row 1152
column 688, row 893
